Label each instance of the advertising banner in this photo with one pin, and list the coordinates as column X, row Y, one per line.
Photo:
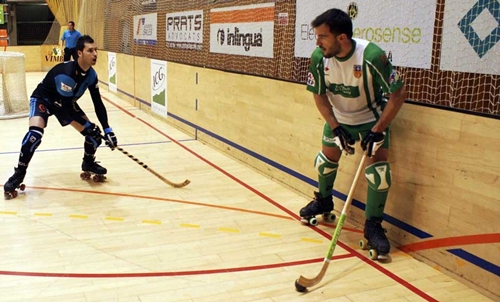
column 145, row 29
column 471, row 36
column 243, row 30
column 159, row 87
column 404, row 31
column 185, row 30
column 112, row 81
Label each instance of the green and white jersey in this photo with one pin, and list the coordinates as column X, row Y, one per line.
column 354, row 84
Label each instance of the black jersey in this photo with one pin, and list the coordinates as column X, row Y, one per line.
column 64, row 84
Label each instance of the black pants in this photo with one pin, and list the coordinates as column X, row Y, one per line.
column 70, row 52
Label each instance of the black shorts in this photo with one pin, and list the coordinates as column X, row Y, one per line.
column 39, row 107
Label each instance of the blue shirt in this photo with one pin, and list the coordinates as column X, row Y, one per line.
column 71, row 37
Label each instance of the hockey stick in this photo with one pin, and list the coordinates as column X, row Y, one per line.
column 168, row 182
column 303, row 283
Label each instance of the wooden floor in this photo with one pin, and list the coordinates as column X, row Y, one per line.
column 230, row 235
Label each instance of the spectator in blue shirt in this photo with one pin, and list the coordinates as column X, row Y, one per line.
column 69, row 37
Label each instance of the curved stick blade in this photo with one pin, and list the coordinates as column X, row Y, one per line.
column 312, row 282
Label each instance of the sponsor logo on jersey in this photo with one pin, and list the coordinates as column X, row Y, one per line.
column 328, row 139
column 310, row 80
column 66, row 88
column 357, row 71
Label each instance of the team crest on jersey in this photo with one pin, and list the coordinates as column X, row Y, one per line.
column 357, row 71
column 66, row 88
column 310, row 80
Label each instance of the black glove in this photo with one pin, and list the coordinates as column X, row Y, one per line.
column 93, row 131
column 344, row 140
column 372, row 142
column 110, row 138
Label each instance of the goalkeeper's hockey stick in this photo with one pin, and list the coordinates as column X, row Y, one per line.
column 303, row 283
column 168, row 182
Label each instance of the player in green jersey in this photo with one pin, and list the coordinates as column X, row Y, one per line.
column 349, row 79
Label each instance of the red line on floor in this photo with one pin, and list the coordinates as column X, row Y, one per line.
column 452, row 241
column 172, row 274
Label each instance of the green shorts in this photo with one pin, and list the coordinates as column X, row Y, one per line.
column 355, row 131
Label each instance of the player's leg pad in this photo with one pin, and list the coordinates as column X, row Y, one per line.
column 378, row 176
column 324, row 166
column 31, row 141
column 92, row 141
column 327, row 172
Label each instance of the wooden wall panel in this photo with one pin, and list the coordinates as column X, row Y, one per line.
column 124, row 73
column 101, row 67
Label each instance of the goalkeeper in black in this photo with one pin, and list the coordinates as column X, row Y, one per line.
column 57, row 95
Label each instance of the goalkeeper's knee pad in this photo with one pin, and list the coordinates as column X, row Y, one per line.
column 95, row 141
column 379, row 176
column 32, row 139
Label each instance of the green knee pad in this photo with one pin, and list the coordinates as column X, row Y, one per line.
column 327, row 171
column 378, row 176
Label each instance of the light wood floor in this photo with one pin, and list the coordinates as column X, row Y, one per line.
column 230, row 235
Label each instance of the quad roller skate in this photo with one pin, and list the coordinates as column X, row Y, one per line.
column 375, row 240
column 14, row 182
column 318, row 205
column 93, row 170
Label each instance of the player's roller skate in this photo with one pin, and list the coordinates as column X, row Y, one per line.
column 318, row 205
column 93, row 168
column 14, row 182
column 375, row 240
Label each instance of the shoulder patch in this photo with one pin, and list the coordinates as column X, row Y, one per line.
column 310, row 80
column 394, row 77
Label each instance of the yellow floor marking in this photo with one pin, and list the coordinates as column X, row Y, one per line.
column 311, row 240
column 152, row 221
column 158, row 222
column 8, row 213
column 115, row 218
column 187, row 225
